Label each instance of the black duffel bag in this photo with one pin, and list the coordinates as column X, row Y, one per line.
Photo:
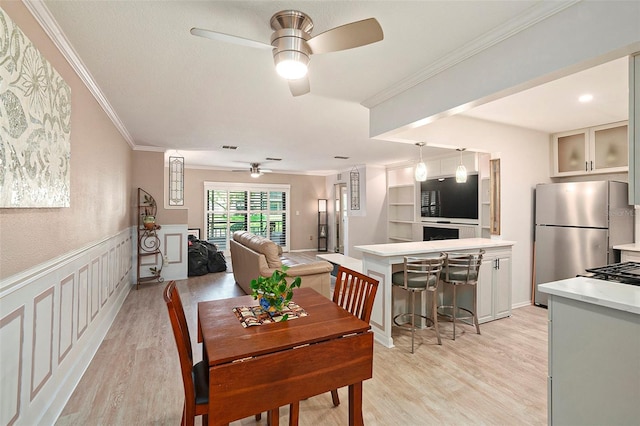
column 198, row 259
column 204, row 257
column 216, row 261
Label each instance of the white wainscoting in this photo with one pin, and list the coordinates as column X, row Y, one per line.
column 174, row 248
column 53, row 318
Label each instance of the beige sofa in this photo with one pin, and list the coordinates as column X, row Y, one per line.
column 252, row 255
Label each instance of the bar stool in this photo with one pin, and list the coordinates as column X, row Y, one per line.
column 420, row 274
column 462, row 269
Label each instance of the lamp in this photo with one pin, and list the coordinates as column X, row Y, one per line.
column 322, row 224
column 421, row 168
column 461, row 171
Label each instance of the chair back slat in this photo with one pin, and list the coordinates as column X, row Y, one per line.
column 182, row 338
column 424, row 266
column 355, row 292
column 467, row 263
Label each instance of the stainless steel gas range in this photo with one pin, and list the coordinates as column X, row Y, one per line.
column 625, row 273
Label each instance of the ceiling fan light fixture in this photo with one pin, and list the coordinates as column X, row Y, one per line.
column 255, row 171
column 291, row 65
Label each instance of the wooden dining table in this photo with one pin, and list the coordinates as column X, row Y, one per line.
column 261, row 368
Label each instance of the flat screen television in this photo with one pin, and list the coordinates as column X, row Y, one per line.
column 444, row 199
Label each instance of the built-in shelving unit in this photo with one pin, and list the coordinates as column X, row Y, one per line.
column 485, row 207
column 401, row 196
column 401, row 212
column 150, row 259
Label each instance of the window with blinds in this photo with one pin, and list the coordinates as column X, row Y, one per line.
column 260, row 209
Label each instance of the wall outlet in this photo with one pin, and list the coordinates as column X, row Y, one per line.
column 310, row 237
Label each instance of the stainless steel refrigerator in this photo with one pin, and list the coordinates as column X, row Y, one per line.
column 576, row 226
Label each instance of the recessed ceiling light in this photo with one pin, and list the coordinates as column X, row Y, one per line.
column 586, row 98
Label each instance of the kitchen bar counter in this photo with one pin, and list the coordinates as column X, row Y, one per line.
column 381, row 260
column 594, row 342
column 425, row 247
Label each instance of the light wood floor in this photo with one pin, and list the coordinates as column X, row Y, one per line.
column 497, row 378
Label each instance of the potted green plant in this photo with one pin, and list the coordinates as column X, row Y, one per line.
column 149, row 221
column 149, row 214
column 274, row 292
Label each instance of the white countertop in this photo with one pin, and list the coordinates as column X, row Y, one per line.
column 623, row 297
column 628, row 247
column 423, row 247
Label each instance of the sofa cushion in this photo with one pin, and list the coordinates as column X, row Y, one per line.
column 261, row 245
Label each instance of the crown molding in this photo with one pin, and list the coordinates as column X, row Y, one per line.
column 528, row 18
column 42, row 14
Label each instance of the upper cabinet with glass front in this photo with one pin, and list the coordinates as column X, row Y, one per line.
column 601, row 149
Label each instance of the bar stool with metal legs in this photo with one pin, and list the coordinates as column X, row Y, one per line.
column 420, row 274
column 462, row 270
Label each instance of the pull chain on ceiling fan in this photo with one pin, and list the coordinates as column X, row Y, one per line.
column 293, row 44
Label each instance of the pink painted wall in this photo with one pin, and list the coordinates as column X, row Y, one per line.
column 101, row 175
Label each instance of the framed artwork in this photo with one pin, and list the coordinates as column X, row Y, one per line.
column 194, row 231
column 35, row 125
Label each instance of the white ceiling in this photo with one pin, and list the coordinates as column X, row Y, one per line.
column 171, row 90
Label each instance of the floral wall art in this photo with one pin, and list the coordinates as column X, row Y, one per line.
column 35, row 121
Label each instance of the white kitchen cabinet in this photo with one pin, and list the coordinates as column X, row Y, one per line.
column 594, row 368
column 629, row 256
column 601, row 149
column 494, row 286
column 447, row 166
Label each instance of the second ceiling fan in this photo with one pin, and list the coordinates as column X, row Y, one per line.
column 293, row 44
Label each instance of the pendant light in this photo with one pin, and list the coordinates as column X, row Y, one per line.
column 461, row 171
column 421, row 168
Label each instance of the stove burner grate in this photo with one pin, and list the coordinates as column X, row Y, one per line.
column 627, row 272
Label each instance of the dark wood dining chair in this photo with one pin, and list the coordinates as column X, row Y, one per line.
column 355, row 292
column 195, row 378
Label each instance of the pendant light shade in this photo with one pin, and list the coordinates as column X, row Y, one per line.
column 421, row 168
column 461, row 171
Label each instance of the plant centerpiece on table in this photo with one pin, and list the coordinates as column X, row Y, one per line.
column 273, row 292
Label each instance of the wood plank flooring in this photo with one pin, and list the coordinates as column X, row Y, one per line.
column 497, row 378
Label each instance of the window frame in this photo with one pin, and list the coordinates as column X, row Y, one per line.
column 248, row 188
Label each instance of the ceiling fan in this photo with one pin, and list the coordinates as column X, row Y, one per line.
column 254, row 170
column 293, row 44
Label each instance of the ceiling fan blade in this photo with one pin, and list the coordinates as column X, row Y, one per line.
column 300, row 86
column 348, row 36
column 213, row 35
